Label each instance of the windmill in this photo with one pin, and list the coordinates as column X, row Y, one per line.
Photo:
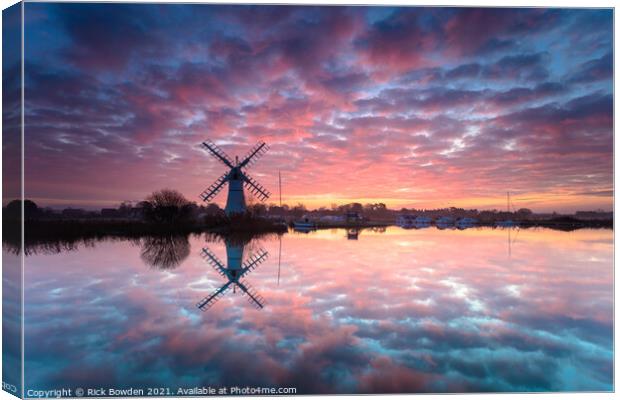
column 233, row 271
column 236, row 178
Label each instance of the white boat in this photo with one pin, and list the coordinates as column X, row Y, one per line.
column 466, row 222
column 444, row 222
column 507, row 223
column 409, row 221
column 422, row 220
column 305, row 224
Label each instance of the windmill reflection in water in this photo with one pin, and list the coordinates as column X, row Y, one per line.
column 235, row 270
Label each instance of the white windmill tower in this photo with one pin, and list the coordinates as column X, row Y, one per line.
column 233, row 271
column 236, row 178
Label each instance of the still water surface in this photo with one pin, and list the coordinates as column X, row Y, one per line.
column 396, row 311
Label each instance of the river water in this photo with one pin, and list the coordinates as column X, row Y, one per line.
column 396, row 310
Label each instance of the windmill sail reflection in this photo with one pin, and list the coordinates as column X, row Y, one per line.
column 234, row 271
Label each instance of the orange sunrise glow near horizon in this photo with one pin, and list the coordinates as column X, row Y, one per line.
column 537, row 202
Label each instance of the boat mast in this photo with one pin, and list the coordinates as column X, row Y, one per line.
column 508, row 201
column 280, row 186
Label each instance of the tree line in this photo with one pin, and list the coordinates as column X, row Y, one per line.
column 168, row 206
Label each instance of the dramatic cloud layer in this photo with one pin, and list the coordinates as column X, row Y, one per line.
column 341, row 316
column 421, row 107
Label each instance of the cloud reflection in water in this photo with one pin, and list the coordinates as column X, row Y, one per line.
column 399, row 311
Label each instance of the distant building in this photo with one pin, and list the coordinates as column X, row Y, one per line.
column 73, row 213
column 136, row 213
column 405, row 219
column 109, row 213
column 353, row 217
column 332, row 218
column 594, row 215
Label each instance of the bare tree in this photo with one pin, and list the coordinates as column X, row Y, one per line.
column 167, row 206
column 167, row 198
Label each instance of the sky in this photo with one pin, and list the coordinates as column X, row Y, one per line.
column 412, row 107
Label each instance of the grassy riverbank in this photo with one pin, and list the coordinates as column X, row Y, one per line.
column 66, row 232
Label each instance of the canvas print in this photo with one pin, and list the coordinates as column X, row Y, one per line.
column 293, row 199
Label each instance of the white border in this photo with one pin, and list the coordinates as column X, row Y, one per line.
column 482, row 3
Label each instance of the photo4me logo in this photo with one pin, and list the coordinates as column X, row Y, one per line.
column 247, row 390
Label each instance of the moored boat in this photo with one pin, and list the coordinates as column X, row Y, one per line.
column 422, row 222
column 444, row 222
column 466, row 222
column 409, row 221
column 305, row 224
column 506, row 223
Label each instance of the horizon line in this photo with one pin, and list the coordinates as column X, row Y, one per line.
column 117, row 204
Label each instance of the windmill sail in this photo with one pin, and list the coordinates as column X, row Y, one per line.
column 254, row 154
column 237, row 178
column 253, row 297
column 254, row 261
column 218, row 153
column 255, row 188
column 214, row 189
column 233, row 271
column 214, row 261
column 213, row 298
